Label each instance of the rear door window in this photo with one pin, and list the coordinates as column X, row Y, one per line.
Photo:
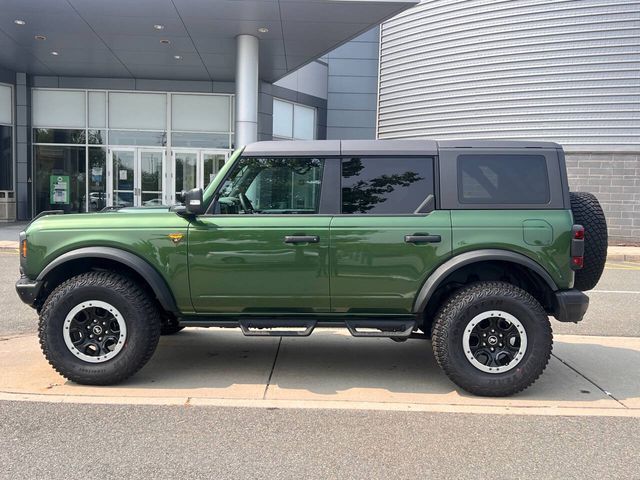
column 503, row 179
column 385, row 185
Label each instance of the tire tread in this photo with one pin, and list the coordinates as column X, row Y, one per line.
column 132, row 293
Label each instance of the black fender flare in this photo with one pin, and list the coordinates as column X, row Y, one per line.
column 443, row 271
column 142, row 267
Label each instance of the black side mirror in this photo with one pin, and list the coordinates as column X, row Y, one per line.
column 193, row 201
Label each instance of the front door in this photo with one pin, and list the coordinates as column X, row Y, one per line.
column 265, row 248
column 136, row 177
column 389, row 236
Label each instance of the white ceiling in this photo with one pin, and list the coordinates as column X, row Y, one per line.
column 116, row 38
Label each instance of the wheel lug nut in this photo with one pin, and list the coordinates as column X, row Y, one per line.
column 484, row 344
column 492, row 349
column 90, row 336
column 500, row 335
column 100, row 338
column 484, row 334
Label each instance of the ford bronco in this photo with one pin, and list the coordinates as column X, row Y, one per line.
column 472, row 244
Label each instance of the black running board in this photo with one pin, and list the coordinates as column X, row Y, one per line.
column 271, row 327
column 395, row 327
column 381, row 328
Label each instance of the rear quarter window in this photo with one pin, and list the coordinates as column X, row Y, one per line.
column 503, row 179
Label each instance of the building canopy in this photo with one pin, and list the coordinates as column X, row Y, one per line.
column 177, row 39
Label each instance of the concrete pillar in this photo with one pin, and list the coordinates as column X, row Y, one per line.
column 246, row 130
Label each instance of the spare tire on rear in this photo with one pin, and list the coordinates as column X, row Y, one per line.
column 588, row 213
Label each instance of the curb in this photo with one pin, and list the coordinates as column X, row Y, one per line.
column 622, row 257
column 8, row 246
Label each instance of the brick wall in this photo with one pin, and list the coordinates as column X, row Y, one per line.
column 615, row 179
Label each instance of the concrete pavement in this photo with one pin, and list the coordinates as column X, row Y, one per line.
column 586, row 375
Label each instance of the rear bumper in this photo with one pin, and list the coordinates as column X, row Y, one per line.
column 28, row 290
column 570, row 305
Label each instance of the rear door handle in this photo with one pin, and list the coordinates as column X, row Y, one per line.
column 301, row 239
column 422, row 238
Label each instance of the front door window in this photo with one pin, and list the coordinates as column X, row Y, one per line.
column 272, row 186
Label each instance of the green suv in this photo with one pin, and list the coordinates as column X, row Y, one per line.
column 473, row 244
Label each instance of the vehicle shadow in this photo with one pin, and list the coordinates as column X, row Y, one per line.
column 332, row 366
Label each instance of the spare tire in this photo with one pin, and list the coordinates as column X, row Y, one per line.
column 588, row 213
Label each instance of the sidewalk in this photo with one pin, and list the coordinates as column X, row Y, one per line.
column 585, row 376
column 623, row 254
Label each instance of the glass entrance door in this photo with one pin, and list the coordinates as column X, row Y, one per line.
column 136, row 177
column 151, row 174
column 212, row 162
column 195, row 169
column 122, row 172
column 186, row 165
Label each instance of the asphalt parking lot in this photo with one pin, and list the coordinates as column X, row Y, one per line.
column 214, row 404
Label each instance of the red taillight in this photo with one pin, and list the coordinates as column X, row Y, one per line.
column 577, row 247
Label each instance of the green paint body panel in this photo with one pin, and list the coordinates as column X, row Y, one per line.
column 240, row 264
column 374, row 270
column 231, row 265
column 143, row 232
column 542, row 235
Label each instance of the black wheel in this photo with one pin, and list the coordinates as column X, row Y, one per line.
column 492, row 339
column 588, row 213
column 98, row 328
column 170, row 326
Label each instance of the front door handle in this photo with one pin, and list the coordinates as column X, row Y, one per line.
column 301, row 239
column 422, row 238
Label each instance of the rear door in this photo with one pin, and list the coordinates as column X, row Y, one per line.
column 389, row 235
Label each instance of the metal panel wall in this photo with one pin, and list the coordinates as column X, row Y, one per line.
column 566, row 71
column 353, row 71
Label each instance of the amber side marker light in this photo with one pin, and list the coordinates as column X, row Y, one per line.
column 23, row 249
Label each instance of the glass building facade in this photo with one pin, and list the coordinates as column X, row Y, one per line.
column 6, row 137
column 98, row 148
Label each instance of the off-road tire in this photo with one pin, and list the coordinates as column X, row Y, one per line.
column 170, row 326
column 588, row 213
column 142, row 323
column 456, row 313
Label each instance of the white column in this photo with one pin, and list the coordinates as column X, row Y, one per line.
column 246, row 90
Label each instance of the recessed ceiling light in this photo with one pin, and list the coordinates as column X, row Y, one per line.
column 54, row 53
column 158, row 26
column 17, row 21
column 263, row 30
column 164, row 41
column 40, row 37
column 178, row 57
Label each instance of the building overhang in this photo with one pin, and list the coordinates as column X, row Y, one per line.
column 177, row 39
